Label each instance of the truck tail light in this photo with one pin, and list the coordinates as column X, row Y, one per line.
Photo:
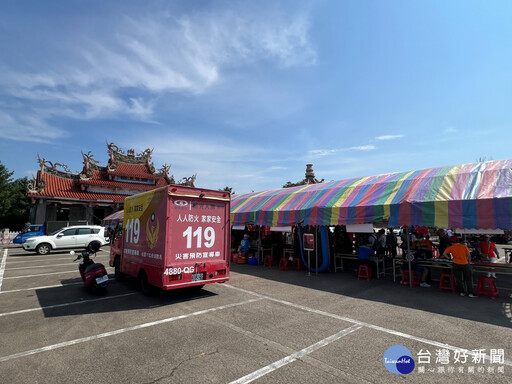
column 220, row 272
column 175, row 277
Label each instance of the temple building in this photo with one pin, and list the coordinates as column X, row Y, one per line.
column 309, row 178
column 58, row 194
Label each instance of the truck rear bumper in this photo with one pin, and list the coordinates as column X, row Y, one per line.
column 182, row 284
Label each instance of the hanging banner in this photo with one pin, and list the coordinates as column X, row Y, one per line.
column 309, row 242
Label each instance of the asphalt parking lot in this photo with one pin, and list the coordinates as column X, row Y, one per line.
column 264, row 326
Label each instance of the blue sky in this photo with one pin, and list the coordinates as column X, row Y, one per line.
column 246, row 93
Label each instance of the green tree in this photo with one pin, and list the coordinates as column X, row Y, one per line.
column 14, row 205
column 289, row 184
column 5, row 190
column 20, row 206
column 228, row 189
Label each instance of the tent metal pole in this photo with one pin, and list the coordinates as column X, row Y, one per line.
column 316, row 249
column 409, row 251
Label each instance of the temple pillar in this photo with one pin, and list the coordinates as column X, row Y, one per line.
column 40, row 212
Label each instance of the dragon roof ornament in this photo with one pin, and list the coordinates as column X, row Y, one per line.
column 118, row 155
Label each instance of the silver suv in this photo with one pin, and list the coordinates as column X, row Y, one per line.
column 80, row 236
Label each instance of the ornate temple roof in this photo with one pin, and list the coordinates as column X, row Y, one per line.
column 125, row 174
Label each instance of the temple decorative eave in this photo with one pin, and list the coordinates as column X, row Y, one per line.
column 125, row 173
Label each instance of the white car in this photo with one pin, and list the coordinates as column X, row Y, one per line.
column 79, row 236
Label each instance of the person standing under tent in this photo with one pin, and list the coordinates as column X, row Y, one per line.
column 245, row 244
column 461, row 257
column 371, row 240
column 444, row 241
column 381, row 242
column 489, row 251
column 391, row 242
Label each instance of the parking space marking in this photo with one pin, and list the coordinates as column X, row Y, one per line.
column 66, row 304
column 2, row 268
column 39, row 266
column 50, row 258
column 43, row 287
column 41, row 274
column 123, row 330
column 362, row 323
column 343, row 375
column 295, row 356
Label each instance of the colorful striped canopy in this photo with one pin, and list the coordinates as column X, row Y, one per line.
column 475, row 195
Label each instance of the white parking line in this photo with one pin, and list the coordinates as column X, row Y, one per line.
column 39, row 266
column 42, row 274
column 43, row 287
column 294, row 356
column 2, row 268
column 362, row 323
column 11, row 262
column 50, row 259
column 122, row 330
column 66, row 304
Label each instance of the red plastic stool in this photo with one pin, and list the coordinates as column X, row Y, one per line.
column 490, row 289
column 364, row 272
column 283, row 263
column 297, row 264
column 268, row 261
column 444, row 284
column 242, row 258
column 405, row 278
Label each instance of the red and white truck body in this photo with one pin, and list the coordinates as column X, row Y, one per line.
column 175, row 237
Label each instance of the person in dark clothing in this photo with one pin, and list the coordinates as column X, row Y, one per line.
column 363, row 255
column 391, row 242
column 444, row 240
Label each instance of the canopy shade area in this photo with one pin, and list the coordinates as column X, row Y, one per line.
column 113, row 219
column 477, row 195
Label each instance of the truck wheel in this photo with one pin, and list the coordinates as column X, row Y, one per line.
column 117, row 269
column 43, row 249
column 145, row 287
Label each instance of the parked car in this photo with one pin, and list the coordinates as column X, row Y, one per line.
column 45, row 229
column 76, row 237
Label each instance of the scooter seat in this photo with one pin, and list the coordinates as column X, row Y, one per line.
column 93, row 266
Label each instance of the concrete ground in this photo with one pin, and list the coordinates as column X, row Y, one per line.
column 265, row 325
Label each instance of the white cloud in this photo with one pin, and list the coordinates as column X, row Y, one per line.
column 323, row 152
column 363, row 148
column 27, row 127
column 277, row 168
column 328, row 152
column 389, row 137
column 122, row 73
column 451, row 130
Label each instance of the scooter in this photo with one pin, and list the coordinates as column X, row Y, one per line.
column 94, row 275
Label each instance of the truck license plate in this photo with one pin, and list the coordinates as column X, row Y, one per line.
column 197, row 276
column 102, row 279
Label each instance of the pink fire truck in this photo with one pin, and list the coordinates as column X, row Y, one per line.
column 173, row 237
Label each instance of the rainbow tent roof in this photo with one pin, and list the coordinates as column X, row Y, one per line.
column 477, row 195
